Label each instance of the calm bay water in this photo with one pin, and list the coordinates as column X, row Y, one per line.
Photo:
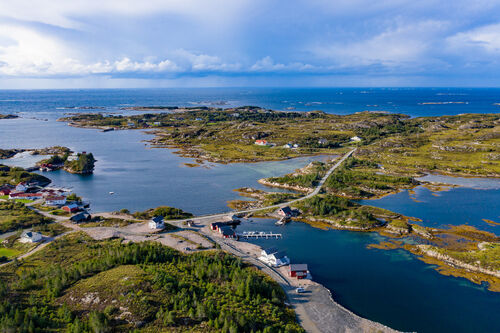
column 392, row 287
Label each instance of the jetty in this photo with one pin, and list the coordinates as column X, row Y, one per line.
column 283, row 220
column 258, row 234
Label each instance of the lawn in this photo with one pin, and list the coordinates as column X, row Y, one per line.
column 9, row 253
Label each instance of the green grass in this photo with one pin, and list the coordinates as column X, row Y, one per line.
column 9, row 253
column 15, row 215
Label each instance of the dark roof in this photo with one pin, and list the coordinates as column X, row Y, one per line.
column 270, row 251
column 287, row 210
column 279, row 255
column 226, row 231
column 298, row 267
column 82, row 216
column 158, row 219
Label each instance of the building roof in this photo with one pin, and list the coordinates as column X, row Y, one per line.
column 55, row 198
column 279, row 254
column 80, row 216
column 287, row 210
column 157, row 219
column 226, row 231
column 72, row 205
column 30, row 234
column 270, row 251
column 298, row 267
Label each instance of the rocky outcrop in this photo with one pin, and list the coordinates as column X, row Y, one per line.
column 428, row 250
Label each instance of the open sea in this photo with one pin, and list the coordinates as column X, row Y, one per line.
column 391, row 287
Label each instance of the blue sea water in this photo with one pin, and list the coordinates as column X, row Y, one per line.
column 392, row 287
column 332, row 100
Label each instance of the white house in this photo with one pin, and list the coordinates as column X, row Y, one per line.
column 274, row 258
column 22, row 187
column 55, row 200
column 356, row 139
column 288, row 146
column 30, row 237
column 156, row 223
column 278, row 259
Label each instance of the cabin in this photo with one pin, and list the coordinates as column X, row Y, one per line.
column 273, row 257
column 5, row 191
column 30, row 237
column 288, row 146
column 261, row 142
column 285, row 211
column 323, row 142
column 71, row 208
column 227, row 232
column 278, row 259
column 55, row 200
column 156, row 223
column 356, row 139
column 22, row 187
column 26, row 196
column 83, row 216
column 299, row 271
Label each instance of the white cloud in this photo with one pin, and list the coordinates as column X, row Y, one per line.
column 398, row 46
column 485, row 37
column 267, row 64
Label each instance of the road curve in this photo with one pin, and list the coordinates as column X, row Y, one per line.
column 283, row 204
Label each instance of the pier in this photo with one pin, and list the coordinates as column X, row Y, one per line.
column 259, row 234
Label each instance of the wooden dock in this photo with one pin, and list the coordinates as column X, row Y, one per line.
column 259, row 234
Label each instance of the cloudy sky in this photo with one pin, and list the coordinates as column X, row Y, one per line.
column 160, row 43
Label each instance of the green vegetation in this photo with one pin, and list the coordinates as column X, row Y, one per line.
column 462, row 144
column 488, row 256
column 66, row 288
column 15, row 175
column 358, row 179
column 338, row 211
column 308, row 177
column 168, row 213
column 107, row 222
column 52, row 229
column 83, row 164
column 15, row 215
column 465, row 144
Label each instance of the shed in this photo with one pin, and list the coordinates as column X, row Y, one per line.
column 30, row 237
column 81, row 217
column 156, row 223
column 298, row 270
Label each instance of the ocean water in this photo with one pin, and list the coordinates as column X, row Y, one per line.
column 392, row 287
column 411, row 101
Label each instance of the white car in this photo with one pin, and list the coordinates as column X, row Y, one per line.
column 300, row 290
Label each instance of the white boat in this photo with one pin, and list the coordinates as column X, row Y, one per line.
column 111, row 192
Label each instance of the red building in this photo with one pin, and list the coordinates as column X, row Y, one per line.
column 298, row 270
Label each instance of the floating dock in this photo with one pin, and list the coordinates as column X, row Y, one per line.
column 259, row 234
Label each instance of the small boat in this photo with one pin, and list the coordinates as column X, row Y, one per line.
column 111, row 192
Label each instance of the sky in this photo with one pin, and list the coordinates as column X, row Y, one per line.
column 212, row 43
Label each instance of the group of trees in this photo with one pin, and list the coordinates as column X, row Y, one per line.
column 168, row 213
column 214, row 291
column 359, row 183
column 84, row 164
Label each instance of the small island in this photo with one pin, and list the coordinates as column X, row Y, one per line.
column 82, row 163
column 8, row 116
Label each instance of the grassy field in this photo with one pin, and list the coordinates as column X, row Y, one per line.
column 15, row 215
column 9, row 253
